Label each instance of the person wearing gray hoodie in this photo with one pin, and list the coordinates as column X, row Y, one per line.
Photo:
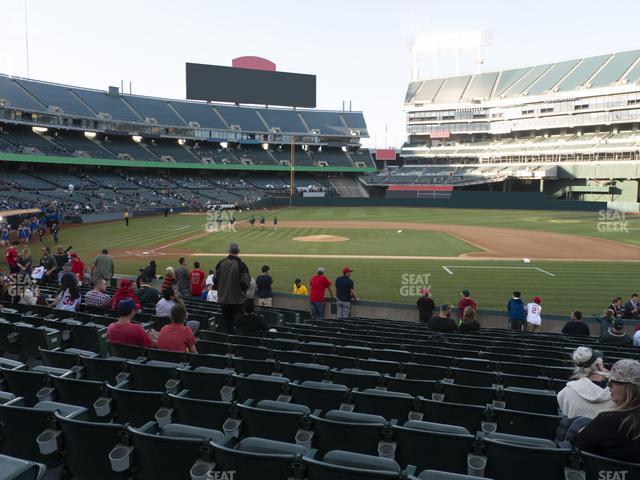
column 586, row 395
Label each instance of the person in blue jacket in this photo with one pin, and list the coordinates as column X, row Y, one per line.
column 517, row 313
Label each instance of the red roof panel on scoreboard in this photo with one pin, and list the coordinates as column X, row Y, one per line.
column 256, row 63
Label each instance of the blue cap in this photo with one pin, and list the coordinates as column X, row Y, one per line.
column 126, row 306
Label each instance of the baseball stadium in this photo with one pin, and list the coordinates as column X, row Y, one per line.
column 456, row 281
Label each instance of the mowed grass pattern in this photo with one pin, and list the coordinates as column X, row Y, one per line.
column 588, row 286
column 592, row 224
column 360, row 242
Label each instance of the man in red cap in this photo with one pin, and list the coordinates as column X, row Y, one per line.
column 534, row 318
column 345, row 294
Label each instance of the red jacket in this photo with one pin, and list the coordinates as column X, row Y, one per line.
column 464, row 303
column 77, row 267
column 12, row 256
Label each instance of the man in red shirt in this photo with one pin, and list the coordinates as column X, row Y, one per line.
column 123, row 331
column 317, row 285
column 464, row 302
column 196, row 278
column 176, row 336
column 12, row 258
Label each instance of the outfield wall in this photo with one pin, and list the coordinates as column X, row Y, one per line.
column 458, row 199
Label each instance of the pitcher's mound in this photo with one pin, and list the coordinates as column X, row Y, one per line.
column 321, row 238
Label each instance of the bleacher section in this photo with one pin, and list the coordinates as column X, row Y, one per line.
column 103, row 191
column 329, row 400
column 30, row 95
column 592, row 72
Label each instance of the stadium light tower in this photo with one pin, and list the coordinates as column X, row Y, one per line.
column 458, row 43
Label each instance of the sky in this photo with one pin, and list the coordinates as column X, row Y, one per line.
column 358, row 49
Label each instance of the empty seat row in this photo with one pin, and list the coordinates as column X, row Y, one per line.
column 341, row 445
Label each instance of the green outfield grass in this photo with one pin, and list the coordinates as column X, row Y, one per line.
column 566, row 285
column 592, row 224
column 361, row 242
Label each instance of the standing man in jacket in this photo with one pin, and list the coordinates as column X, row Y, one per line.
column 182, row 277
column 232, row 281
column 517, row 312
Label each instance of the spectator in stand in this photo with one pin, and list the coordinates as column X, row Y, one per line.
column 210, row 278
column 615, row 335
column 68, row 297
column 176, row 336
column 264, row 282
column 576, row 326
column 426, row 306
column 147, row 295
column 251, row 291
column 636, row 339
column 196, row 279
column 345, row 294
column 616, row 433
column 534, row 318
column 25, row 262
column 12, row 257
column 465, row 301
column 61, row 257
column 126, row 332
column 616, row 306
column 66, row 268
column 210, row 295
column 182, row 278
column 586, row 395
column 517, row 311
column 77, row 267
column 125, row 290
column 248, row 323
column 103, row 266
column 469, row 321
column 98, row 297
column 148, row 273
column 169, row 280
column 299, row 288
column 632, row 307
column 607, row 319
column 232, row 282
column 169, row 300
column 318, row 284
column 443, row 321
column 50, row 266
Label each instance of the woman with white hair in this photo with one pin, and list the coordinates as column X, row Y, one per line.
column 586, row 395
